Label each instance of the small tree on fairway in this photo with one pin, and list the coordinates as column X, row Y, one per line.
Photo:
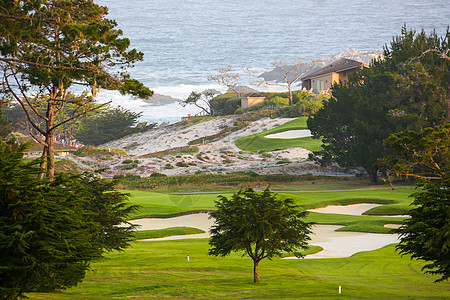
column 259, row 224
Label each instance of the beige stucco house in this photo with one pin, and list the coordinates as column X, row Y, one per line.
column 248, row 100
column 322, row 80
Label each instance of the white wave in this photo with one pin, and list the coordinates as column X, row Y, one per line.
column 150, row 113
column 182, row 91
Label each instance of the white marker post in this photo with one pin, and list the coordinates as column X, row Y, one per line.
column 188, row 260
column 340, row 289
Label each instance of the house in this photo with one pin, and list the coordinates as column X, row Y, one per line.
column 323, row 79
column 248, row 100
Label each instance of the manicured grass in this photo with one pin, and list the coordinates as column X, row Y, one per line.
column 258, row 142
column 157, row 204
column 329, row 184
column 160, row 270
column 160, row 233
column 160, row 204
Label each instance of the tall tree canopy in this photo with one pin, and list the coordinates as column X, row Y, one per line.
column 259, row 224
column 47, row 47
column 394, row 94
column 425, row 155
column 50, row 230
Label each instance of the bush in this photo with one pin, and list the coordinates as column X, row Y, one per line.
column 177, row 152
column 131, row 177
column 231, row 179
column 276, row 101
column 225, row 104
column 181, row 164
column 131, row 166
column 91, row 150
column 156, row 174
column 306, row 104
column 105, row 158
column 168, row 166
column 284, row 161
column 127, row 161
column 265, row 154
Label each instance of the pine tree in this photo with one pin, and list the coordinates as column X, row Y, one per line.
column 47, row 47
column 394, row 94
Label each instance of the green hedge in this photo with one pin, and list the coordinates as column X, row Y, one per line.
column 232, row 179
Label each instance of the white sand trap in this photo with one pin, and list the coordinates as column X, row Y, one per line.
column 344, row 243
column 334, row 243
column 392, row 225
column 200, row 221
column 353, row 209
column 290, row 134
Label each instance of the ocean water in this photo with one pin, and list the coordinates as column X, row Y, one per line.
column 184, row 41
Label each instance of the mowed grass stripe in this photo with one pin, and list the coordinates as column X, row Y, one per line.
column 166, row 232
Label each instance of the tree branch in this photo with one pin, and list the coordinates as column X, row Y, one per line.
column 38, row 139
column 443, row 55
column 25, row 97
column 28, row 19
column 30, row 120
column 79, row 115
column 12, row 61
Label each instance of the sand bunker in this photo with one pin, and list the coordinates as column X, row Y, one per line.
column 200, row 221
column 345, row 243
column 395, row 226
column 353, row 209
column 334, row 243
column 290, row 134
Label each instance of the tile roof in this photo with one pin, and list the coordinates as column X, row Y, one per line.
column 338, row 66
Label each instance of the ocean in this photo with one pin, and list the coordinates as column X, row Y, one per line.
column 185, row 41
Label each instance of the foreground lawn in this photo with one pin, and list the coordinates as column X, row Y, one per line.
column 258, row 142
column 160, row 270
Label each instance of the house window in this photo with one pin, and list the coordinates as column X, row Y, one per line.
column 320, row 86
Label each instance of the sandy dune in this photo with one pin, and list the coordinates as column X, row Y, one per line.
column 221, row 156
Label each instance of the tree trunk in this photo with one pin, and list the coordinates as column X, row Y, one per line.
column 255, row 271
column 373, row 175
column 50, row 154
column 448, row 98
column 291, row 101
column 49, row 139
